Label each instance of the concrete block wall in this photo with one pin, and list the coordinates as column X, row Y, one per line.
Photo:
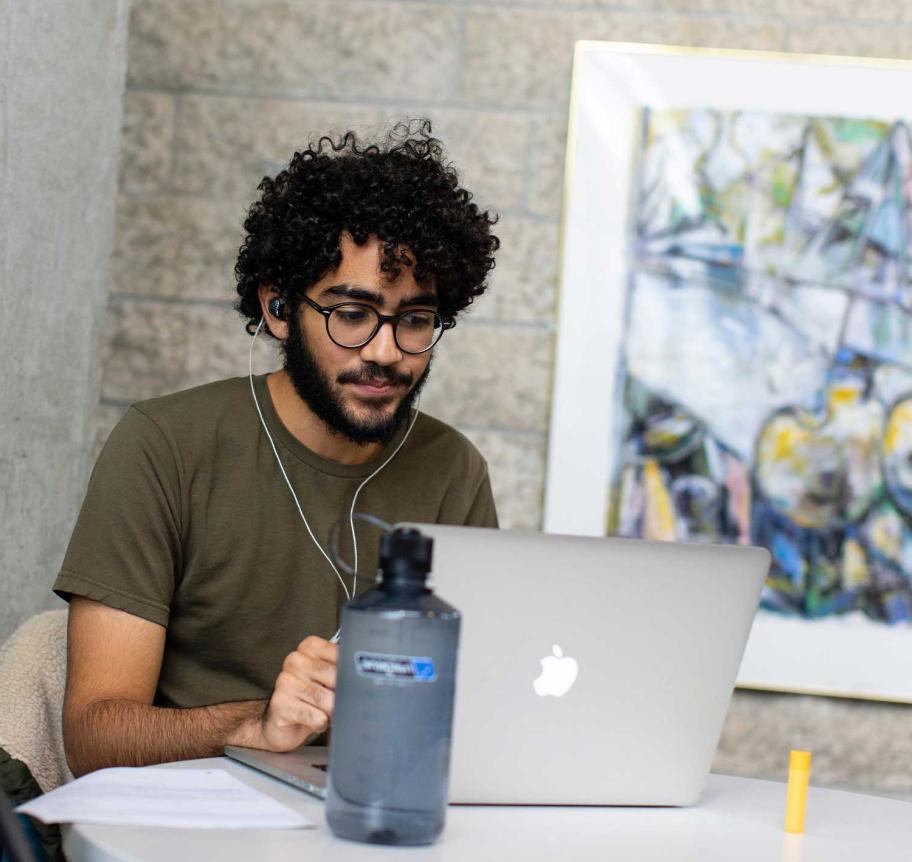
column 61, row 91
column 220, row 92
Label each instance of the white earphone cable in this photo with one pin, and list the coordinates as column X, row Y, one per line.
column 282, row 466
column 351, row 514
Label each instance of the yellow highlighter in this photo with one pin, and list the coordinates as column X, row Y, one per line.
column 796, row 796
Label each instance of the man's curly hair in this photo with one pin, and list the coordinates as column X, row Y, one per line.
column 401, row 191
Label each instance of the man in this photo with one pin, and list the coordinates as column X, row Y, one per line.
column 203, row 596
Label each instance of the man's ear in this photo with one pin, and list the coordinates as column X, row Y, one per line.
column 272, row 305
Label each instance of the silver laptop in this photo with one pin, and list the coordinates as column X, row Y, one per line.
column 591, row 670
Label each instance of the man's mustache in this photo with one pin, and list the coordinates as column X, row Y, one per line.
column 370, row 373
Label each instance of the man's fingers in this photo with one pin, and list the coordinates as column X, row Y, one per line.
column 293, row 703
column 292, row 689
column 304, row 695
column 301, row 714
column 317, row 696
column 306, row 716
column 319, row 648
column 306, row 668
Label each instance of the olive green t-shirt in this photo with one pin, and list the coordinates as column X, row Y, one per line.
column 188, row 522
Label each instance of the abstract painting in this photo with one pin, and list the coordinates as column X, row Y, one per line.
column 761, row 391
column 766, row 391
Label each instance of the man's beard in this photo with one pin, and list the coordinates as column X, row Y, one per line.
column 314, row 386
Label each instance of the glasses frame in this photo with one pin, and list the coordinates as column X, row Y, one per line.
column 327, row 310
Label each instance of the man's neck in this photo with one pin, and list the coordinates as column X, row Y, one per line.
column 310, row 429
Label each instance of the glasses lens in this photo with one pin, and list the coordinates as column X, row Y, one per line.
column 418, row 330
column 351, row 325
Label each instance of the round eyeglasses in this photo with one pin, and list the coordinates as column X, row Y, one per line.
column 351, row 324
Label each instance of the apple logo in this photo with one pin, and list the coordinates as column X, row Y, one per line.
column 558, row 674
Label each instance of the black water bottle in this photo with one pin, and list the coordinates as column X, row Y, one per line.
column 392, row 724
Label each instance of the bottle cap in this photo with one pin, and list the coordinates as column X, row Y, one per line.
column 405, row 555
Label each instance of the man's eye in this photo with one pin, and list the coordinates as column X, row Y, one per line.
column 418, row 321
column 351, row 315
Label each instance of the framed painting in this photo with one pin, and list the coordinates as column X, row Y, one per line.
column 734, row 351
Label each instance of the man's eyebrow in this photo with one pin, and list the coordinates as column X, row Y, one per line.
column 351, row 291
column 423, row 299
column 357, row 292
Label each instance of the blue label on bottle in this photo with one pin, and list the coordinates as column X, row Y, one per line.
column 399, row 668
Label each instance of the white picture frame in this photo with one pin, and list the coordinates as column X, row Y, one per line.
column 612, row 84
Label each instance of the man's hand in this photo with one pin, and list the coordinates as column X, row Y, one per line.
column 302, row 700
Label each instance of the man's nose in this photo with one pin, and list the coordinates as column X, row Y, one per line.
column 382, row 348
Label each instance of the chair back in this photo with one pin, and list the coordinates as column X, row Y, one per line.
column 33, row 680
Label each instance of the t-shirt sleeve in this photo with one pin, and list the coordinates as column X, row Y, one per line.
column 125, row 550
column 482, row 512
column 469, row 501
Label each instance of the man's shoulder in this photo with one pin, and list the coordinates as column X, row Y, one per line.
column 433, row 438
column 446, row 462
column 210, row 402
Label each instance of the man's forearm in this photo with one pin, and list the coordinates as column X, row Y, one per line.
column 126, row 733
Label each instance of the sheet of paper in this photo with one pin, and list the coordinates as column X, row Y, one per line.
column 194, row 798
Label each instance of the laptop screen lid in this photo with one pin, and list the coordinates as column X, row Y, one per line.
column 591, row 670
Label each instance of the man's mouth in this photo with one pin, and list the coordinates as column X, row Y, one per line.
column 375, row 387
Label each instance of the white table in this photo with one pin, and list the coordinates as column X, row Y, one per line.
column 737, row 819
